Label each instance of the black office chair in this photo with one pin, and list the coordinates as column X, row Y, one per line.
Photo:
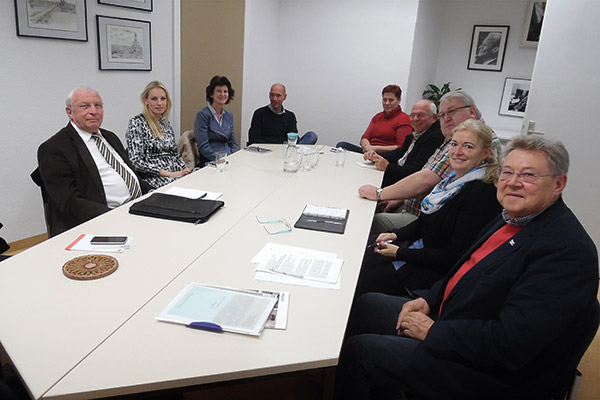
column 588, row 326
column 36, row 177
column 3, row 247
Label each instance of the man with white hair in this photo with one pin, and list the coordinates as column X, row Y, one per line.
column 85, row 169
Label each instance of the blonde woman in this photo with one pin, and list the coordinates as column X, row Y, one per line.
column 151, row 142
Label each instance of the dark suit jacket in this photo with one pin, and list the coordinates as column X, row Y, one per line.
column 71, row 179
column 431, row 139
column 510, row 324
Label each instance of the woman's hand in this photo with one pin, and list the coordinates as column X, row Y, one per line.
column 386, row 249
column 385, row 236
column 175, row 174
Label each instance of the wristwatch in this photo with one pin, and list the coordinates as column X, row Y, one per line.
column 379, row 193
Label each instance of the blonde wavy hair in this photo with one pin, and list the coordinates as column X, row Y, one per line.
column 485, row 134
column 153, row 123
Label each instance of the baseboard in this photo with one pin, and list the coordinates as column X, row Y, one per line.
column 23, row 244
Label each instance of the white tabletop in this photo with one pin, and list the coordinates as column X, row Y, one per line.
column 59, row 332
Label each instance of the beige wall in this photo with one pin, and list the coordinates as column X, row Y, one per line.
column 212, row 43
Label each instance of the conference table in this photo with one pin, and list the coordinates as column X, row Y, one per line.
column 100, row 338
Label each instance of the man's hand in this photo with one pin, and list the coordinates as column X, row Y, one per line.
column 380, row 162
column 415, row 325
column 368, row 192
column 391, row 205
column 413, row 320
column 368, row 155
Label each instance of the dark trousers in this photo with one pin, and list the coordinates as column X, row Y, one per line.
column 374, row 359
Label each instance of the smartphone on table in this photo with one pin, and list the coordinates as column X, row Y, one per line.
column 110, row 240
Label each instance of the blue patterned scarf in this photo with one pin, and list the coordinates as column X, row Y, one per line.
column 450, row 187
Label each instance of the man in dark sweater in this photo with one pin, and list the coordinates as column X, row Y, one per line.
column 272, row 123
column 417, row 148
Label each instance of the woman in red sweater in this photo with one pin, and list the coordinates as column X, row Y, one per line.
column 387, row 129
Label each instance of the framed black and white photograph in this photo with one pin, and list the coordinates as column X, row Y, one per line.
column 488, row 46
column 145, row 5
column 65, row 19
column 124, row 44
column 533, row 23
column 514, row 97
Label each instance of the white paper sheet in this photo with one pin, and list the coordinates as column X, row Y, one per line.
column 298, row 266
column 193, row 193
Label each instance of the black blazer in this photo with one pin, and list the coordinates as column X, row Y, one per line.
column 511, row 323
column 71, row 179
column 429, row 141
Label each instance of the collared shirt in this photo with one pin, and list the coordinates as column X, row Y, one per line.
column 275, row 112
column 215, row 115
column 115, row 188
column 518, row 221
column 416, row 136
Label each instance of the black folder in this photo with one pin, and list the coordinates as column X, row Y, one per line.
column 322, row 222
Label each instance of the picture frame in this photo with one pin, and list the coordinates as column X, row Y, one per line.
column 514, row 97
column 488, row 46
column 533, row 23
column 145, row 5
column 65, row 21
column 124, row 44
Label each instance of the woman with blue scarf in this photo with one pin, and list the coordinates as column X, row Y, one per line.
column 456, row 210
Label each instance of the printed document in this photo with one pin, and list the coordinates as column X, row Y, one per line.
column 239, row 311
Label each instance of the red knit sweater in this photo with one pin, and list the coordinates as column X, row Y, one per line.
column 388, row 129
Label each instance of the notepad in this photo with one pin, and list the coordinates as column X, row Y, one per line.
column 326, row 219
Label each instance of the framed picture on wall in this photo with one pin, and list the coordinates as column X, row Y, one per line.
column 533, row 23
column 124, row 44
column 514, row 97
column 137, row 4
column 52, row 20
column 488, row 46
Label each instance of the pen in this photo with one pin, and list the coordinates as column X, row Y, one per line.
column 286, row 273
column 376, row 243
column 324, row 221
column 206, row 326
column 203, row 196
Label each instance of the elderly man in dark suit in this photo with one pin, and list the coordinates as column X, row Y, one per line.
column 511, row 318
column 84, row 169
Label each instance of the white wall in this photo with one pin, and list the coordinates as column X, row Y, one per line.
column 426, row 47
column 564, row 99
column 37, row 74
column 334, row 57
column 485, row 86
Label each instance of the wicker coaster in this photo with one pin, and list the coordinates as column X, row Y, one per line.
column 91, row 266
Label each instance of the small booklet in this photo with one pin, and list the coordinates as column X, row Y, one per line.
column 326, row 219
column 220, row 309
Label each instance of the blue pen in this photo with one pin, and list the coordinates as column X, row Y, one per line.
column 205, row 326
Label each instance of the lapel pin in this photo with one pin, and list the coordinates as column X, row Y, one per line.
column 512, row 242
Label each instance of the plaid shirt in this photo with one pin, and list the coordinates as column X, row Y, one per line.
column 439, row 163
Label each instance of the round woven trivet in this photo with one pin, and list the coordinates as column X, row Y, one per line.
column 91, row 266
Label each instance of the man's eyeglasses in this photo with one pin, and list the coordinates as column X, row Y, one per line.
column 451, row 112
column 284, row 226
column 506, row 174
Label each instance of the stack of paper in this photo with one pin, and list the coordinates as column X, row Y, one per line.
column 298, row 266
